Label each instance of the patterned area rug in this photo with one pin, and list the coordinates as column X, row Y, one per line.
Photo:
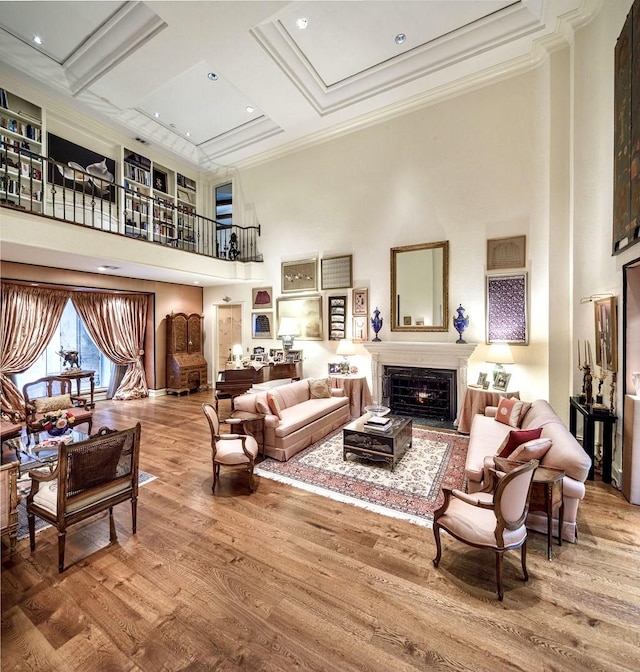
column 23, row 490
column 411, row 492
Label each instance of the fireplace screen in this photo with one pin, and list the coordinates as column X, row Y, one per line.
column 428, row 393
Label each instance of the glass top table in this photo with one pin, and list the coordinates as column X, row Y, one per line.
column 44, row 453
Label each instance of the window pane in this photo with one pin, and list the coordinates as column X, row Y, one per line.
column 71, row 335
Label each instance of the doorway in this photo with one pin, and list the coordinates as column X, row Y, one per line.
column 229, row 332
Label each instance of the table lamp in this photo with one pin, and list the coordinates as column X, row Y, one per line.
column 236, row 351
column 287, row 331
column 345, row 348
column 499, row 354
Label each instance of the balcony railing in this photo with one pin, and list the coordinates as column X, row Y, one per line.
column 48, row 188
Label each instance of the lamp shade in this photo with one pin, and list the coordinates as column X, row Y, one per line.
column 499, row 353
column 236, row 350
column 288, row 327
column 345, row 347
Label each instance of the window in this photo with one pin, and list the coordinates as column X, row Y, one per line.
column 71, row 335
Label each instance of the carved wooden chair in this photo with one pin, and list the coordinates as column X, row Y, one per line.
column 495, row 521
column 9, row 502
column 91, row 476
column 230, row 449
column 52, row 393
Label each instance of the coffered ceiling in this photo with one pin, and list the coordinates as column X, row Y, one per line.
column 227, row 83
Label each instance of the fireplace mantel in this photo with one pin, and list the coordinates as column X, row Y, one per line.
column 428, row 355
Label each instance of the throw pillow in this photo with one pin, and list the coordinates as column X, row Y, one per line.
column 274, row 405
column 510, row 411
column 46, row 404
column 319, row 388
column 517, row 437
column 531, row 450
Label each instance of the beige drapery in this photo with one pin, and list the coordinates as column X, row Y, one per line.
column 30, row 315
column 116, row 323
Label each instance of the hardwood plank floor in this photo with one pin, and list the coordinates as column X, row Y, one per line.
column 283, row 579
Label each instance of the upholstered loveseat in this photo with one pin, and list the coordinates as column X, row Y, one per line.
column 296, row 414
column 487, row 439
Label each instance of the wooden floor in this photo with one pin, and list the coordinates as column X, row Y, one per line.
column 287, row 580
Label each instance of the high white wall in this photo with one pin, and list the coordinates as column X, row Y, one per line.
column 464, row 170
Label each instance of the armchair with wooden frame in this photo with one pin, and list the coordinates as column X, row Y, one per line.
column 52, row 393
column 91, row 476
column 230, row 449
column 492, row 520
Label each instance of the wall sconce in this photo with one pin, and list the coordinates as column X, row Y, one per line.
column 345, row 348
column 236, row 351
column 287, row 331
column 499, row 354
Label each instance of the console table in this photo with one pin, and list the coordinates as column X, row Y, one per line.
column 78, row 375
column 589, row 419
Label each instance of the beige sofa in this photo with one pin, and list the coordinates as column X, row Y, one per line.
column 303, row 419
column 565, row 453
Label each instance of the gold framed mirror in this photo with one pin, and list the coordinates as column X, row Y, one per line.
column 420, row 287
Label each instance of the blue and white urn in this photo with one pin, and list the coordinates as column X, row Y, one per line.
column 460, row 322
column 376, row 323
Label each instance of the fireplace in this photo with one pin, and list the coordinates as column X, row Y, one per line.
column 437, row 358
column 418, row 391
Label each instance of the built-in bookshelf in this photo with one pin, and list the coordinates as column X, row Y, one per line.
column 164, row 205
column 136, row 172
column 21, row 146
column 186, row 206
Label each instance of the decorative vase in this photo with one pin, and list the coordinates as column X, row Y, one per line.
column 460, row 322
column 58, row 431
column 376, row 323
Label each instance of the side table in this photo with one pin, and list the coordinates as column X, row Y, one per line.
column 589, row 419
column 475, row 401
column 357, row 389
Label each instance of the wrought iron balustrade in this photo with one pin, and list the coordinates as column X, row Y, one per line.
column 48, row 188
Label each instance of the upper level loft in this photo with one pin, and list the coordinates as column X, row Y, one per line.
column 134, row 197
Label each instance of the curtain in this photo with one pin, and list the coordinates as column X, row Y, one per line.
column 116, row 323
column 30, row 316
column 117, row 374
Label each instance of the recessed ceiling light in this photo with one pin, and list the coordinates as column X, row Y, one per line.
column 212, row 76
column 156, row 115
column 302, row 23
column 37, row 39
column 108, row 268
column 250, row 109
column 401, row 38
column 196, row 282
column 188, row 134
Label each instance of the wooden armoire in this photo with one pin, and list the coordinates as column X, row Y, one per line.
column 186, row 365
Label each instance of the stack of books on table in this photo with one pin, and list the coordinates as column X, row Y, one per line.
column 381, row 423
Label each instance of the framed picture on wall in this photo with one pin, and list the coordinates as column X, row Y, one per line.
column 262, row 298
column 262, row 325
column 507, row 309
column 298, row 276
column 360, row 331
column 506, row 252
column 606, row 334
column 360, row 301
column 307, row 310
column 337, row 317
column 336, row 272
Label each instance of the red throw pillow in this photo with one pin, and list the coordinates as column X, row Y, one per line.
column 515, row 438
column 274, row 405
column 510, row 411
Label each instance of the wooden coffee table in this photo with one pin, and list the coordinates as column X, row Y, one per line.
column 385, row 446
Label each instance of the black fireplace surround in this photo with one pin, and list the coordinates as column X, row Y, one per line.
column 421, row 392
